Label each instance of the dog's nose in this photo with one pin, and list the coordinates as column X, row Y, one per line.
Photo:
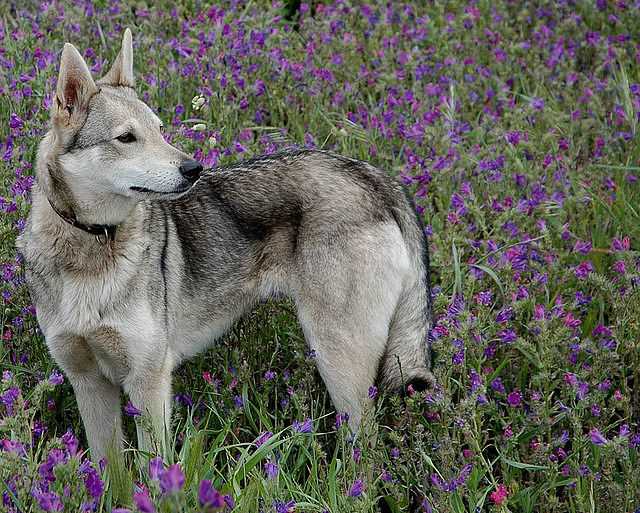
column 191, row 170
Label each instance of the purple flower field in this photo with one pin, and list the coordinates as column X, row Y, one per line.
column 514, row 127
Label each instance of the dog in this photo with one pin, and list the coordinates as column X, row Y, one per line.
column 137, row 259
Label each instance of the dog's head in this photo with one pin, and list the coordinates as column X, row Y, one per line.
column 105, row 145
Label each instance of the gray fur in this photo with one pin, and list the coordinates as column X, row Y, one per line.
column 336, row 235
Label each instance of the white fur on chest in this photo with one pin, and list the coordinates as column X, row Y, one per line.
column 84, row 301
column 88, row 301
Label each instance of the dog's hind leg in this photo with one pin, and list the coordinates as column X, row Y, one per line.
column 346, row 356
column 347, row 293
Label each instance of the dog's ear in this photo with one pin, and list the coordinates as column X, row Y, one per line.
column 121, row 73
column 75, row 86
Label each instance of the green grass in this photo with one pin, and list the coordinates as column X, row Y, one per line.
column 517, row 195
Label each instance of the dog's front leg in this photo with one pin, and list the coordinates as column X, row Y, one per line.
column 98, row 398
column 149, row 390
column 99, row 405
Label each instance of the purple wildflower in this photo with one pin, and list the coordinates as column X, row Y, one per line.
column 171, row 479
column 271, row 469
column 70, row 442
column 262, row 438
column 208, row 496
column 619, row 267
column 498, row 386
column 184, row 399
column 621, row 244
column 356, row 488
column 56, row 378
column 131, row 410
column 9, row 398
column 514, row 398
column 464, row 474
column 341, row 418
column 583, row 247
column 484, row 298
column 475, row 380
column 48, row 501
column 93, row 483
column 155, row 467
column 584, row 471
column 228, row 500
column 583, row 390
column 597, row 438
column 504, row 315
column 143, row 502
column 386, row 476
column 507, row 336
column 306, row 426
column 284, row 507
column 584, row 269
column 13, row 446
column 537, row 103
column 15, row 122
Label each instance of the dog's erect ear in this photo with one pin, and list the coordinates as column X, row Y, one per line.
column 75, row 86
column 121, row 73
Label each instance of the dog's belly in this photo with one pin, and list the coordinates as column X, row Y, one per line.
column 194, row 334
column 210, row 316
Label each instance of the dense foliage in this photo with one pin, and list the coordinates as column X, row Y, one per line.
column 513, row 124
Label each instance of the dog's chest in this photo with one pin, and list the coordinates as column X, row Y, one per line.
column 86, row 301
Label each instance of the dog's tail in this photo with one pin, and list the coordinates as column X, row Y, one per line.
column 407, row 360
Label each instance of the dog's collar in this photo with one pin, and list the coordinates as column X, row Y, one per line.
column 103, row 232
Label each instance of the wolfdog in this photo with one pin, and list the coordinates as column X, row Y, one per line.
column 137, row 259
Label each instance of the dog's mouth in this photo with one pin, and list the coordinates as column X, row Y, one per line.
column 144, row 190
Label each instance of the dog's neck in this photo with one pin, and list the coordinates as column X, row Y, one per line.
column 104, row 233
column 67, row 248
column 55, row 213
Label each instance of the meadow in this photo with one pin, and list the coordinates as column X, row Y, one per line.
column 514, row 127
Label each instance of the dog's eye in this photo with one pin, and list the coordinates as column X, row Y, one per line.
column 162, row 129
column 126, row 138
